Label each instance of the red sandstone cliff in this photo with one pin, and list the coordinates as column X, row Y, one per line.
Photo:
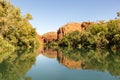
column 68, row 28
column 49, row 37
column 52, row 36
column 85, row 24
column 71, row 27
column 40, row 39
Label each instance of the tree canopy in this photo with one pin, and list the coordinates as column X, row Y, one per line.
column 15, row 28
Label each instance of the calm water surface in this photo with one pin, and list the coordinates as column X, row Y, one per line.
column 53, row 65
column 64, row 64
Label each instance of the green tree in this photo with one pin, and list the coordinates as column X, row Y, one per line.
column 15, row 66
column 16, row 28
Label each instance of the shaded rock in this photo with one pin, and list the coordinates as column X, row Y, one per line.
column 85, row 24
column 49, row 37
column 68, row 28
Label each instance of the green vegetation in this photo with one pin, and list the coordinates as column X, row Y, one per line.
column 18, row 43
column 5, row 49
column 15, row 29
column 99, row 59
column 97, row 35
column 17, row 65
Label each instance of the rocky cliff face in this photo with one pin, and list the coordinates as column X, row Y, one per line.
column 68, row 28
column 85, row 24
column 49, row 37
column 52, row 36
column 40, row 39
column 71, row 27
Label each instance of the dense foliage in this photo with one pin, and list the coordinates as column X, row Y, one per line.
column 5, row 49
column 18, row 43
column 97, row 35
column 16, row 65
column 99, row 59
column 15, row 29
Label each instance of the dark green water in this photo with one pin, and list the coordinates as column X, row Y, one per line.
column 66, row 64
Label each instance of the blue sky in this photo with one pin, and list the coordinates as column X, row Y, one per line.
column 49, row 15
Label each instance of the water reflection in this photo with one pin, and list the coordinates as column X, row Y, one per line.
column 88, row 62
column 69, row 62
column 16, row 65
column 50, row 53
column 99, row 60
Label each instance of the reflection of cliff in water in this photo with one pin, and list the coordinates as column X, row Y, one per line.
column 16, row 65
column 100, row 60
column 66, row 61
column 50, row 53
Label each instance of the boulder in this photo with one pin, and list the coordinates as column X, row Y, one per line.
column 68, row 28
column 49, row 37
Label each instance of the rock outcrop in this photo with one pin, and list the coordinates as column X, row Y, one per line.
column 71, row 27
column 68, row 28
column 85, row 24
column 49, row 37
column 40, row 39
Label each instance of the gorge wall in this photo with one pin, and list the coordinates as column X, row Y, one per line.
column 62, row 31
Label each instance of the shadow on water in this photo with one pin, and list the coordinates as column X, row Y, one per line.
column 15, row 66
column 87, row 59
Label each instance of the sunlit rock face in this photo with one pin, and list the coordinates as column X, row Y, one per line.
column 49, row 37
column 71, row 64
column 40, row 39
column 68, row 28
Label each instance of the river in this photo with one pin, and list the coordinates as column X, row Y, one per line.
column 66, row 64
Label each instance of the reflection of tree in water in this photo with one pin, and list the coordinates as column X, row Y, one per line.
column 15, row 67
column 100, row 60
column 73, row 62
